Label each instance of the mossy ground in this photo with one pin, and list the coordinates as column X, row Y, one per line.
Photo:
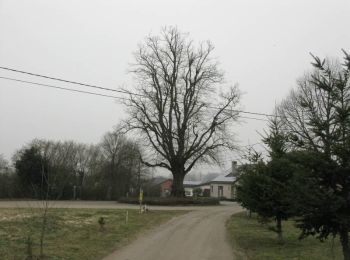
column 73, row 233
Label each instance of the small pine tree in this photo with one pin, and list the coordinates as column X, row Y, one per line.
column 264, row 188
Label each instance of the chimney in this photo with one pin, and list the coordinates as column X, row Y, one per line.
column 234, row 168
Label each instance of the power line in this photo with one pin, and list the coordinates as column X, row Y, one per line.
column 118, row 91
column 90, row 93
column 67, row 81
column 61, row 88
column 254, row 118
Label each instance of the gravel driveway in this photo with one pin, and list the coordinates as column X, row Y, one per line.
column 197, row 235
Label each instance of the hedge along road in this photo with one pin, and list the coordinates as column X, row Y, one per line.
column 198, row 235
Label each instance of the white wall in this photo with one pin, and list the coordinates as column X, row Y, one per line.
column 227, row 190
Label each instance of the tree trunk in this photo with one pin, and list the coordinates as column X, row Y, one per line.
column 344, row 239
column 177, row 189
column 279, row 229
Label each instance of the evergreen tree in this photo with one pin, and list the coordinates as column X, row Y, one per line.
column 31, row 168
column 264, row 187
column 317, row 115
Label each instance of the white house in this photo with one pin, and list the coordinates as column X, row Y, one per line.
column 223, row 185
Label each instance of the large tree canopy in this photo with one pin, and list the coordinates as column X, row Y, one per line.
column 177, row 106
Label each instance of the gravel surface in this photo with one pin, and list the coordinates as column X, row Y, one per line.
column 197, row 235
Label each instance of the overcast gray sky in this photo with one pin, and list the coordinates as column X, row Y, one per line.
column 262, row 45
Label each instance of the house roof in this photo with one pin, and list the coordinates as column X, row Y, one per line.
column 191, row 183
column 223, row 178
column 204, row 184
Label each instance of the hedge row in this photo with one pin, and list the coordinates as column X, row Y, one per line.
column 171, row 201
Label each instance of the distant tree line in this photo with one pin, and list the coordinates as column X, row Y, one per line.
column 307, row 175
column 71, row 170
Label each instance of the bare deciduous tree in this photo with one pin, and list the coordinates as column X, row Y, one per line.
column 174, row 109
column 309, row 115
column 121, row 158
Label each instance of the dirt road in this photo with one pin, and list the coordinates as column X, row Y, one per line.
column 197, row 235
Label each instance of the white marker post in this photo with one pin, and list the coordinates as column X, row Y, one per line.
column 140, row 199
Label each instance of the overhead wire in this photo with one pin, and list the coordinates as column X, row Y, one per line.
column 67, row 81
column 118, row 91
column 57, row 87
column 238, row 152
column 91, row 93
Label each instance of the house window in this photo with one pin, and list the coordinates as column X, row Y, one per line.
column 211, row 187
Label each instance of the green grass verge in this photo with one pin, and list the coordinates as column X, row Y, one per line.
column 252, row 240
column 73, row 233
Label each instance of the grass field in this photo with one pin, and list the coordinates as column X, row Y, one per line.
column 253, row 240
column 73, row 233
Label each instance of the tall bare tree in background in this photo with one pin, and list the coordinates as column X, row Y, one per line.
column 178, row 109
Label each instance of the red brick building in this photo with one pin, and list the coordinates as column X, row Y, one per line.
column 158, row 187
column 165, row 187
